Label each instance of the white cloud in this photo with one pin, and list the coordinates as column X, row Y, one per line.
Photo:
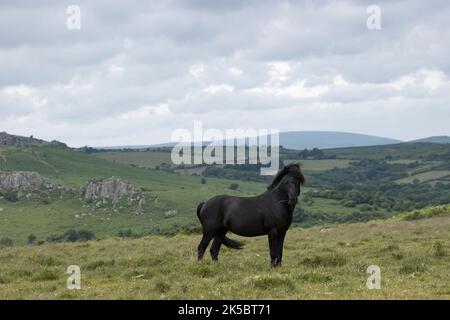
column 278, row 71
column 146, row 111
column 235, row 71
column 219, row 88
column 197, row 70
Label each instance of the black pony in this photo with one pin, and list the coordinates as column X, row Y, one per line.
column 268, row 213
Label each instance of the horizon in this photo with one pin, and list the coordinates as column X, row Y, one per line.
column 204, row 141
column 132, row 73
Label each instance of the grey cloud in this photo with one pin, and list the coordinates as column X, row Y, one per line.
column 134, row 54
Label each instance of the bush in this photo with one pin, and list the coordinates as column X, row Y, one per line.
column 439, row 250
column 72, row 236
column 234, row 186
column 10, row 195
column 203, row 181
column 126, row 234
column 6, row 242
column 31, row 239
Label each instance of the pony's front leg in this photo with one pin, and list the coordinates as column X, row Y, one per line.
column 276, row 247
column 282, row 235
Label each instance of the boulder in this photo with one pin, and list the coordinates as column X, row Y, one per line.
column 171, row 213
column 28, row 180
column 109, row 189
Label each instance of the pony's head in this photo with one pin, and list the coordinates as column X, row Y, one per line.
column 293, row 170
column 288, row 180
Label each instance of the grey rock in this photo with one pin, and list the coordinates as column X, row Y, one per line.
column 110, row 189
column 171, row 213
column 18, row 141
column 28, row 180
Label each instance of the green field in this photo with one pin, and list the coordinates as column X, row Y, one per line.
column 180, row 190
column 426, row 176
column 163, row 190
column 322, row 165
column 408, row 151
column 319, row 263
column 146, row 159
column 328, row 260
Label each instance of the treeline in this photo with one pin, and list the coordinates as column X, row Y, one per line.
column 371, row 182
column 313, row 154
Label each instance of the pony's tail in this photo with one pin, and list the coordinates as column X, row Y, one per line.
column 199, row 208
column 233, row 244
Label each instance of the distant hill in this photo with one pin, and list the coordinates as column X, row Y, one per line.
column 434, row 139
column 300, row 140
column 329, row 139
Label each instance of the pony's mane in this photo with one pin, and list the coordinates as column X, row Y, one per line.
column 287, row 169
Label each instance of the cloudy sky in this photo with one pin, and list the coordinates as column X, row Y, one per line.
column 137, row 70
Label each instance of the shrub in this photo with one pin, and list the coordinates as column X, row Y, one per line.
column 428, row 212
column 6, row 242
column 439, row 250
column 31, row 239
column 126, row 234
column 234, row 186
column 10, row 195
column 203, row 181
column 72, row 236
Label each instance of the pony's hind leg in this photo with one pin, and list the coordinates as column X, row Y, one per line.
column 203, row 245
column 215, row 248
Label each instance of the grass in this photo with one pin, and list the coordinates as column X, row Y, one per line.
column 417, row 151
column 322, row 165
column 147, row 159
column 425, row 176
column 163, row 191
column 412, row 256
column 428, row 212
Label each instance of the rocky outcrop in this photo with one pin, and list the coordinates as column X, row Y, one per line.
column 18, row 141
column 7, row 139
column 110, row 189
column 24, row 180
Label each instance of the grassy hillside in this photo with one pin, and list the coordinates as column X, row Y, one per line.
column 163, row 190
column 411, row 150
column 146, row 159
column 338, row 190
column 319, row 263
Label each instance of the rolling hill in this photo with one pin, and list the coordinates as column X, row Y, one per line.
column 299, row 140
column 434, row 139
column 346, row 185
